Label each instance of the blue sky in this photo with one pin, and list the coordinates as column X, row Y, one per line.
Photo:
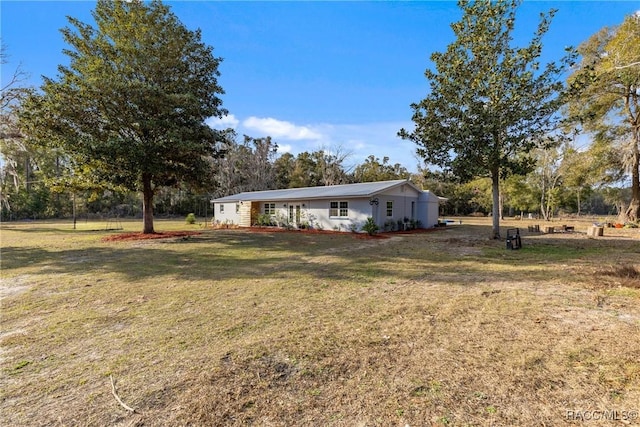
column 331, row 75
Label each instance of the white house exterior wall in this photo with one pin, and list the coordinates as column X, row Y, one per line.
column 228, row 215
column 401, row 208
column 407, row 203
column 429, row 208
column 316, row 213
column 402, row 191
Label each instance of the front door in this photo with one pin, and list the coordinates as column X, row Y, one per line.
column 294, row 215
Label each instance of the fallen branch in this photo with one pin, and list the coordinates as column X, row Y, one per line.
column 113, row 391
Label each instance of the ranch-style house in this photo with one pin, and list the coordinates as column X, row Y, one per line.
column 397, row 204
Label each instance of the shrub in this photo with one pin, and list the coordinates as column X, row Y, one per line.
column 264, row 220
column 389, row 225
column 370, row 227
column 281, row 220
column 191, row 218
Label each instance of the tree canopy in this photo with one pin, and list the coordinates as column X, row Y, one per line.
column 130, row 108
column 606, row 98
column 372, row 170
column 490, row 103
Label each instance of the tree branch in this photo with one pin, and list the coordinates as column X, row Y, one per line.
column 622, row 67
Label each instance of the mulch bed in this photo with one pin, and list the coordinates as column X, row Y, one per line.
column 172, row 234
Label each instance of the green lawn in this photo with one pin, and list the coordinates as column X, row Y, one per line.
column 233, row 327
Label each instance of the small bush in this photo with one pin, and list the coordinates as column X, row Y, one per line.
column 281, row 220
column 264, row 220
column 191, row 218
column 389, row 225
column 370, row 227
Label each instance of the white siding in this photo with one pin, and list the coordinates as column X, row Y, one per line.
column 428, row 209
column 407, row 203
column 317, row 212
column 228, row 215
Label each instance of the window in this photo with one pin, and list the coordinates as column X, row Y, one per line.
column 270, row 208
column 237, row 208
column 221, row 208
column 389, row 208
column 338, row 209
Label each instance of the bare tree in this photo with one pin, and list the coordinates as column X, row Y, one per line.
column 14, row 153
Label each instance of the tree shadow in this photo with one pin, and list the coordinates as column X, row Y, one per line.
column 237, row 254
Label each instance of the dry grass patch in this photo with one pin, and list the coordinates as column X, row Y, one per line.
column 231, row 327
column 624, row 275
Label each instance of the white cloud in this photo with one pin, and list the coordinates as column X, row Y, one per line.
column 280, row 129
column 228, row 121
column 365, row 139
column 284, row 148
column 360, row 140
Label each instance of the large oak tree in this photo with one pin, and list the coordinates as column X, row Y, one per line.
column 490, row 103
column 130, row 108
column 606, row 101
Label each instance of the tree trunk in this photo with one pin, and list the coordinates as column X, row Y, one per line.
column 147, row 204
column 543, row 195
column 495, row 188
column 633, row 211
column 548, row 209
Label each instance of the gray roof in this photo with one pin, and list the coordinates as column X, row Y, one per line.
column 365, row 189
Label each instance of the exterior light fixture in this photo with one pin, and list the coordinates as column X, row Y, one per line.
column 373, row 202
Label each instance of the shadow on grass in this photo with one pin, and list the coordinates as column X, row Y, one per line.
column 238, row 254
column 70, row 230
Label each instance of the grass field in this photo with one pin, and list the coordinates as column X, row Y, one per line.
column 232, row 327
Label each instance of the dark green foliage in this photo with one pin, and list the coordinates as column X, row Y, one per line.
column 372, row 170
column 389, row 225
column 370, row 226
column 265, row 220
column 605, row 101
column 489, row 103
column 130, row 109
